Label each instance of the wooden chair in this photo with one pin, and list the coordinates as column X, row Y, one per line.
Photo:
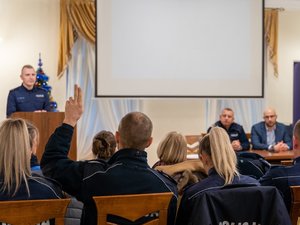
column 31, row 212
column 133, row 207
column 295, row 204
column 193, row 143
column 286, row 162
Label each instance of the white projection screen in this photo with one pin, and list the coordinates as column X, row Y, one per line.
column 179, row 48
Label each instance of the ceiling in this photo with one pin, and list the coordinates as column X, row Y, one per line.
column 286, row 4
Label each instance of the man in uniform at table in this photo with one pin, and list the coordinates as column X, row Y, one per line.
column 27, row 97
column 237, row 135
column 270, row 134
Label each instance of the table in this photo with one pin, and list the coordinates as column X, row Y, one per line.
column 271, row 157
column 275, row 157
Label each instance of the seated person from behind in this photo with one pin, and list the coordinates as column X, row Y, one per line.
column 171, row 150
column 282, row 177
column 126, row 172
column 34, row 142
column 104, row 145
column 27, row 97
column 270, row 134
column 237, row 135
column 220, row 163
column 16, row 180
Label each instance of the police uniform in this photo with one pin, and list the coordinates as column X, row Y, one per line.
column 213, row 181
column 39, row 186
column 235, row 132
column 127, row 172
column 21, row 99
column 282, row 177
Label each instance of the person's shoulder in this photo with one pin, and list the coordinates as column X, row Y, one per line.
column 259, row 124
column 237, row 125
column 248, row 180
column 16, row 89
column 48, row 185
column 280, row 125
column 278, row 171
column 40, row 178
column 209, row 183
column 40, row 90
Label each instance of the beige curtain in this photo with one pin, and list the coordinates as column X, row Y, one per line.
column 80, row 16
column 271, row 36
column 76, row 17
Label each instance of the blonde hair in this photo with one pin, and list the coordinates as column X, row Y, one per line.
column 172, row 149
column 104, row 144
column 33, row 133
column 14, row 155
column 217, row 145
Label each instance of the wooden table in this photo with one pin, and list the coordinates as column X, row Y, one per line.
column 271, row 157
column 275, row 157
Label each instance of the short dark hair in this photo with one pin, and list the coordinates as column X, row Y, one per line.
column 135, row 129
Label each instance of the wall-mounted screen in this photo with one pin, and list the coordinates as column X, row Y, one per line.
column 180, row 48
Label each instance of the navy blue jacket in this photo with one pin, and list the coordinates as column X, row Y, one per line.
column 213, row 181
column 234, row 204
column 21, row 99
column 40, row 188
column 127, row 172
column 259, row 135
column 235, row 132
column 282, row 177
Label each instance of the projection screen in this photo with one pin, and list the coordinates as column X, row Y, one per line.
column 179, row 48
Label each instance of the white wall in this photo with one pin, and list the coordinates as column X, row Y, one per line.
column 183, row 115
column 28, row 28
column 279, row 91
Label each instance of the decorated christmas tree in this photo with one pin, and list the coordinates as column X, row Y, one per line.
column 42, row 82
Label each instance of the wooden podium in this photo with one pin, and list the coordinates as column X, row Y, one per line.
column 47, row 122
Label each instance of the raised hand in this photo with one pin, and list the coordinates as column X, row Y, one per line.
column 74, row 107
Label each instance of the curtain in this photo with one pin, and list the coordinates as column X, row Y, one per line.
column 77, row 39
column 271, row 36
column 83, row 16
column 99, row 114
column 246, row 111
column 76, row 17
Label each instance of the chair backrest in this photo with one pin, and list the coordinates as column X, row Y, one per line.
column 133, row 207
column 295, row 204
column 193, row 142
column 236, row 204
column 25, row 212
column 252, row 164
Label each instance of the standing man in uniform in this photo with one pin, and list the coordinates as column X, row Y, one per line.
column 27, row 97
column 237, row 135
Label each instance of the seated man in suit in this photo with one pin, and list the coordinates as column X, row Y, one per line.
column 270, row 134
column 237, row 135
column 283, row 177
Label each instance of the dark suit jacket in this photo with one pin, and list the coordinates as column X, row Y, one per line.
column 259, row 135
